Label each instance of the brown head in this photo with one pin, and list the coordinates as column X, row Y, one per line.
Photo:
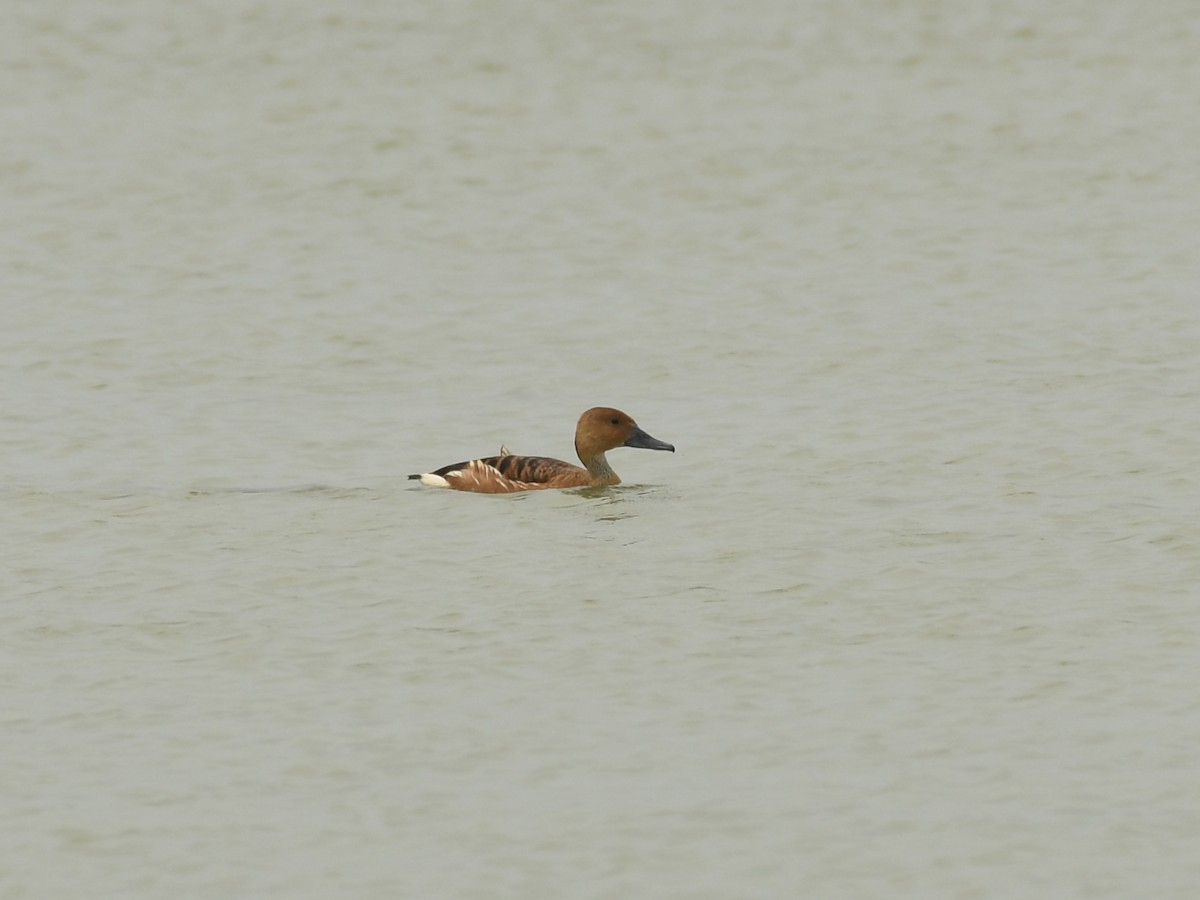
column 601, row 429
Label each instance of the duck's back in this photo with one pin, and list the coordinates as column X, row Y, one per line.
column 508, row 474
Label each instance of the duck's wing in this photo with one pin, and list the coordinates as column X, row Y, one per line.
column 508, row 474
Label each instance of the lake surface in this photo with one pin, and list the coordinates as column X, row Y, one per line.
column 912, row 287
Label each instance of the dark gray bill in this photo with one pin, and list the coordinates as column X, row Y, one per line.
column 643, row 441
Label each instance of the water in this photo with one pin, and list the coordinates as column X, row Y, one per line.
column 912, row 288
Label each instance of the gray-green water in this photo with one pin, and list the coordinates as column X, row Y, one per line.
column 912, row 287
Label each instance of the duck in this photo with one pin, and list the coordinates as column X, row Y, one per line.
column 599, row 430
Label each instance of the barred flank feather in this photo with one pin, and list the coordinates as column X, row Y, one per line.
column 506, row 474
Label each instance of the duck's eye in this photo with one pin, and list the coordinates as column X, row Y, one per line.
column 616, row 421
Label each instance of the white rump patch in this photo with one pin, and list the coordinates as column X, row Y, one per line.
column 436, row 480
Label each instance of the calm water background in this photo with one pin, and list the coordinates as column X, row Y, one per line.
column 914, row 289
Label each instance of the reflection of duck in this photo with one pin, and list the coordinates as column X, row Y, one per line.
column 599, row 430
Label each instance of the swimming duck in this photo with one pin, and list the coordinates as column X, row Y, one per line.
column 599, row 430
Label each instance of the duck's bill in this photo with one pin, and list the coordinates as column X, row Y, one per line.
column 643, row 441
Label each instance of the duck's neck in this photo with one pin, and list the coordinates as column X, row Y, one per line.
column 598, row 467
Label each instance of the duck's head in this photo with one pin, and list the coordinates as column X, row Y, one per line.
column 603, row 428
